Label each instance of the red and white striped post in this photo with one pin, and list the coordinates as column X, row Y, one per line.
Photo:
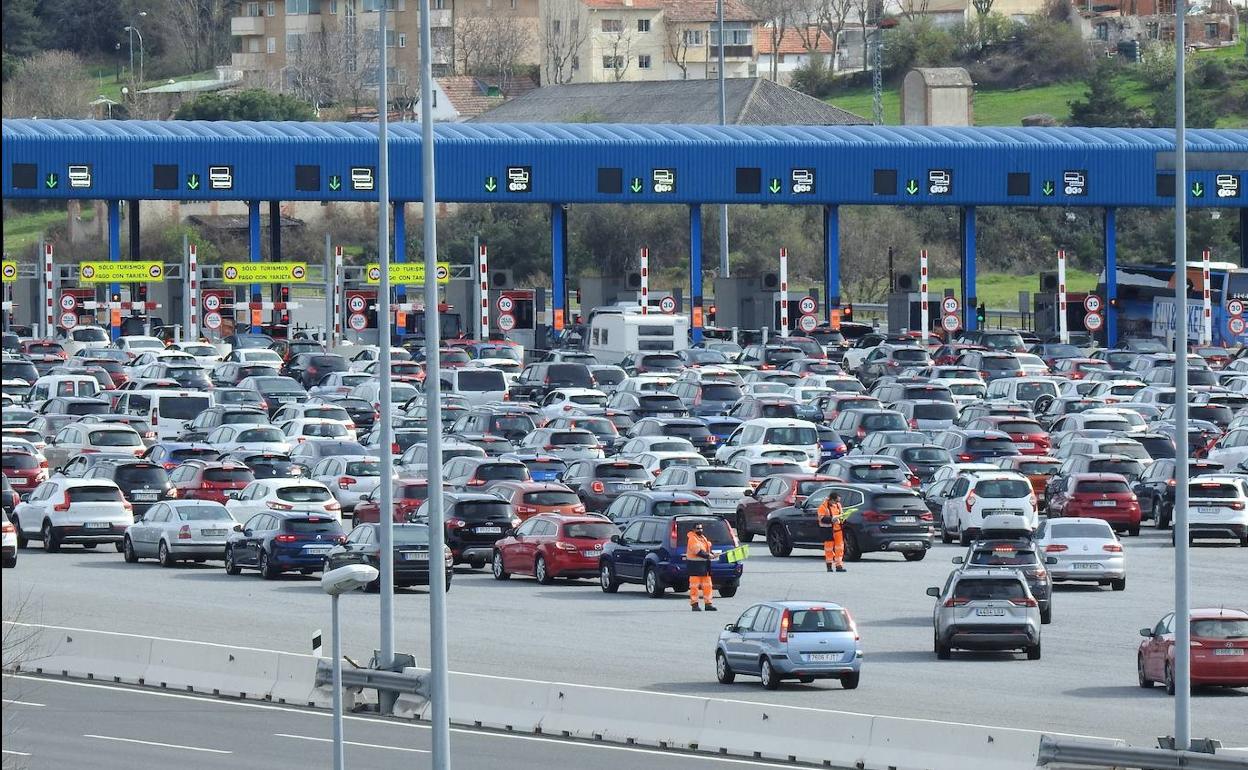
column 923, row 318
column 49, row 281
column 192, row 283
column 336, row 332
column 484, row 268
column 784, row 292
column 645, row 281
column 1206, row 329
column 1061, row 297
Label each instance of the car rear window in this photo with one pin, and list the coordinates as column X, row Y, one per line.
column 665, row 401
column 989, row 588
column 875, row 472
column 136, row 475
column 911, row 355
column 302, row 494
column 669, row 446
column 503, row 472
column 1213, row 491
column 1104, row 424
column 1220, row 628
column 570, row 438
column 1002, row 488
column 412, row 492
column 324, row 429
column 1039, row 469
column 925, row 454
column 1023, row 427
column 192, row 453
column 890, row 421
column 511, row 423
column 759, row 470
column 122, row 438
column 204, row 513
column 589, row 530
column 551, row 497
column 687, row 431
column 1125, row 467
column 721, row 477
column 818, row 620
column 1104, row 487
column 261, row 434
column 94, row 495
column 313, row 527
column 229, row 475
column 783, row 410
column 622, row 471
column 86, row 407
column 1074, row 530
column 935, row 411
column 243, row 418
column 1004, row 556
column 12, row 461
column 898, row 503
column 715, row 529
column 1001, row 364
column 481, row 380
column 678, row 507
column 182, row 407
column 1003, row 445
column 927, row 393
column 475, row 511
column 364, row 468
column 328, row 413
column 570, row 375
column 721, row 391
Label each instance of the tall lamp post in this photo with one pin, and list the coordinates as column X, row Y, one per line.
column 134, row 30
column 982, row 8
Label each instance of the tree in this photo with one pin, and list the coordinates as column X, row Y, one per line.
column 677, row 44
column 199, row 30
column 619, row 47
column 563, row 28
column 832, row 18
column 253, row 104
column 48, row 85
column 338, row 66
column 1103, row 103
column 507, row 39
column 776, row 16
column 21, row 33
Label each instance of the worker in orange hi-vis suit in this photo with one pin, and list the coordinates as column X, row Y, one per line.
column 830, row 514
column 698, row 555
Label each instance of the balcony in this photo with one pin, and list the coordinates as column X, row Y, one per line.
column 242, row 26
column 732, row 51
column 247, row 62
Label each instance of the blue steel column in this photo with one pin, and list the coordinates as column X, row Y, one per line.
column 967, row 219
column 1111, row 276
column 559, row 259
column 831, row 259
column 400, row 255
column 1243, row 237
column 695, row 271
column 114, row 255
column 253, row 232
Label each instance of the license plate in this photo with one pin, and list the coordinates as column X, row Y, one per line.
column 96, row 525
column 1231, row 651
column 1209, row 510
column 990, row 611
column 591, row 554
column 821, row 657
column 725, row 501
column 415, row 555
column 904, row 519
column 316, row 549
column 1024, row 445
column 1086, row 565
column 1104, row 503
column 212, row 532
column 145, row 495
column 489, row 531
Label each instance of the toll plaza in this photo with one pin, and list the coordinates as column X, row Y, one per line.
column 562, row 165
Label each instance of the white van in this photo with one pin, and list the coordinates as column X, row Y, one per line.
column 478, row 385
column 167, row 411
column 70, row 385
column 615, row 333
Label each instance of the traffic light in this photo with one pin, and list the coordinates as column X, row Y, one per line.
column 981, row 314
column 848, row 313
column 142, row 292
column 285, row 297
column 710, row 315
column 115, row 297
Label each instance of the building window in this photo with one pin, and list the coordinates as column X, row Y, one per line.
column 1165, row 7
column 1211, row 31
column 375, row 5
column 555, row 27
column 402, row 40
column 1102, row 30
column 253, row 9
column 294, row 43
column 643, row 61
column 615, row 26
column 513, row 5
column 643, row 25
column 693, row 37
column 272, row 45
column 333, row 7
column 1153, row 30
column 734, row 34
column 612, row 62
column 270, row 8
column 439, row 5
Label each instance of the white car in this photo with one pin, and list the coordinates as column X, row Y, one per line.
column 841, row 383
column 1033, row 365
column 66, row 510
column 81, row 438
column 723, row 488
column 645, row 383
column 1087, row 551
column 370, row 391
column 795, row 434
column 203, row 353
column 9, row 542
column 338, row 383
column 976, row 495
column 414, row 463
column 145, row 359
column 966, row 390
column 138, row 343
column 1232, row 449
column 766, row 452
column 563, row 401
column 657, row 462
column 178, row 530
column 250, row 438
column 348, row 478
column 1218, row 507
column 256, row 356
column 370, row 353
column 304, row 429
column 82, row 338
column 298, row 495
column 635, row 446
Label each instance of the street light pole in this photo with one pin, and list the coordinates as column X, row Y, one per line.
column 724, row 270
column 134, row 30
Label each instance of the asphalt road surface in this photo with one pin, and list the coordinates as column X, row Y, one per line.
column 572, row 632
column 53, row 723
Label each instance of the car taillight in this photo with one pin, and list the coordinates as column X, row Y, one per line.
column 395, row 449
column 285, row 539
column 1058, row 548
column 1035, row 504
column 345, row 482
column 926, row 516
column 1237, row 506
column 702, row 492
column 955, row 601
column 169, row 465
column 527, row 509
column 156, row 418
column 598, row 487
column 63, row 505
column 279, row 506
column 476, row 483
column 1025, row 602
column 456, row 523
column 1111, row 548
column 785, row 620
column 1038, row 574
column 912, row 480
column 184, row 533
column 970, row 502
column 562, row 546
column 334, row 506
column 862, row 432
column 913, row 423
column 1169, row 482
column 673, row 533
column 875, row 516
column 964, row 457
column 8, row 528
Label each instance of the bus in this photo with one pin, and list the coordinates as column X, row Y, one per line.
column 1146, row 305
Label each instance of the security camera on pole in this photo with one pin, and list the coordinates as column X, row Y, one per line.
column 784, row 292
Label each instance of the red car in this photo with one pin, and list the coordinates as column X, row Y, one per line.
column 32, row 348
column 25, row 470
column 408, row 496
column 947, row 355
column 1105, row 496
column 779, row 491
column 210, row 479
column 1078, row 368
column 548, row 546
column 1027, row 434
column 116, row 371
column 453, row 358
column 1219, row 650
column 533, row 498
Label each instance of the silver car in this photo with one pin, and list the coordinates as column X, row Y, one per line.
column 985, row 610
column 724, row 488
column 799, row 640
column 177, row 530
column 1087, row 551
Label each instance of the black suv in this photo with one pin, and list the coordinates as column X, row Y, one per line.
column 215, row 416
column 886, row 517
column 1155, row 487
column 142, row 483
column 309, row 368
column 1018, row 554
column 474, row 523
column 599, row 482
column 539, row 379
column 854, row 425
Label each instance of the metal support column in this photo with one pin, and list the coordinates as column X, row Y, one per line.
column 253, row 234
column 114, row 255
column 1111, row 277
column 400, row 255
column 559, row 267
column 275, row 251
column 966, row 219
column 1243, row 237
column 695, row 272
column 831, row 260
column 132, row 222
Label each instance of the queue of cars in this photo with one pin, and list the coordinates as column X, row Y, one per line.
column 256, row 453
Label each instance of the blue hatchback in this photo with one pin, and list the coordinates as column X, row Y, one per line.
column 277, row 542
column 651, row 551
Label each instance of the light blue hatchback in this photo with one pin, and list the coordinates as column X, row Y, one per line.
column 800, row 640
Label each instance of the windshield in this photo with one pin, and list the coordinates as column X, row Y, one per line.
column 182, row 407
column 261, row 434
column 115, row 438
column 721, row 477
column 1003, row 488
column 1221, row 628
column 303, row 494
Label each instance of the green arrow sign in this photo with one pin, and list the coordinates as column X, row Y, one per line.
column 912, row 187
column 52, row 181
column 192, row 181
column 636, row 185
column 1198, row 190
column 774, row 186
column 335, row 182
column 491, row 183
column 1049, row 188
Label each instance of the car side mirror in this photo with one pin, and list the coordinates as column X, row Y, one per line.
column 1050, row 560
column 232, row 494
column 933, row 591
column 617, row 539
column 238, row 527
column 1147, row 633
column 751, row 493
column 731, row 628
column 957, row 560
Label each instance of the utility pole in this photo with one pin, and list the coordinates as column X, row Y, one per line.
column 724, row 270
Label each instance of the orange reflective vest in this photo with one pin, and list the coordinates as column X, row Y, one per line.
column 830, row 515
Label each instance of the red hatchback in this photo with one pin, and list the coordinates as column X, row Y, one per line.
column 1079, row 368
column 1027, row 434
column 532, row 498
column 1105, row 496
column 548, row 546
column 1219, row 650
column 409, row 494
column 779, row 491
column 210, row 479
column 25, row 470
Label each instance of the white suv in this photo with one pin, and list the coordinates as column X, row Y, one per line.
column 1218, row 507
column 298, row 495
column 977, row 495
column 798, row 435
column 65, row 510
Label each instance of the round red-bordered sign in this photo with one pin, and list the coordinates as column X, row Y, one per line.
column 1237, row 325
column 667, row 305
column 68, row 302
column 212, row 320
column 951, row 323
column 212, row 302
column 505, row 304
column 358, row 321
column 950, row 305
column 1235, row 307
column 1093, row 322
column 807, row 305
column 69, row 320
column 356, row 304
column 807, row 323
column 506, row 321
column 1092, row 303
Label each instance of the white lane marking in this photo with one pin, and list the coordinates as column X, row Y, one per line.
column 15, row 753
column 22, row 703
column 413, row 726
column 154, row 743
column 352, row 743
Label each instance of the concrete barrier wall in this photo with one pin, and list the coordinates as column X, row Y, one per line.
column 768, row 731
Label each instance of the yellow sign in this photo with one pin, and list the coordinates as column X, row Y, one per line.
column 408, row 273
column 10, row 270
column 120, row 272
column 265, row 272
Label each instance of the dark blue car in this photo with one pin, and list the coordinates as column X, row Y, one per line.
column 721, row 427
column 541, row 467
column 276, row 542
column 651, row 551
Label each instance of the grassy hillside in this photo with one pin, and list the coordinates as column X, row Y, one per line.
column 1000, row 290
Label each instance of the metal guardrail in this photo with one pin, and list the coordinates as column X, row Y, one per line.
column 1052, row 751
column 372, row 679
